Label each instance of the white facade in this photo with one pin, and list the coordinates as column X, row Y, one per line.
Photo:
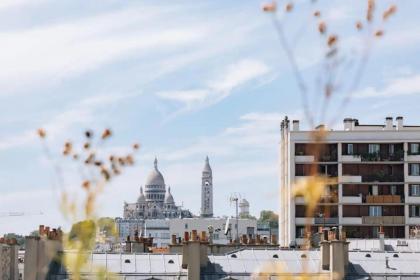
column 207, row 191
column 246, row 226
column 353, row 132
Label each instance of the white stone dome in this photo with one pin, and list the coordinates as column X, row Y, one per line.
column 244, row 202
column 155, row 178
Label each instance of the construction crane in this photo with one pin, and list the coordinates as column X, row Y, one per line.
column 19, row 214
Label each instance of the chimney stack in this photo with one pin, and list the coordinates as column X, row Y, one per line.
column 400, row 122
column 348, row 124
column 381, row 239
column 389, row 123
column 295, row 125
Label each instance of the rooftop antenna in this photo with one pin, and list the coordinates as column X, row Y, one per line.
column 235, row 198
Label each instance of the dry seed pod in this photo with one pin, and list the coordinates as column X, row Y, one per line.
column 379, row 33
column 289, row 7
column 86, row 146
column 86, row 184
column 106, row 134
column 136, row 146
column 359, row 25
column 332, row 40
column 322, row 27
column 317, row 14
column 41, row 132
column 89, row 134
column 389, row 12
column 270, row 7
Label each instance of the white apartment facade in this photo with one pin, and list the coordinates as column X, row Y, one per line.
column 378, row 180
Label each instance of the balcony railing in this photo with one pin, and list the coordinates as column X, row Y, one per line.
column 383, row 220
column 327, row 157
column 329, row 199
column 396, row 156
column 383, row 199
column 326, row 221
column 383, row 178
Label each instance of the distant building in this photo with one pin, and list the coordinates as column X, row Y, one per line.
column 246, row 226
column 207, row 191
column 157, row 202
column 244, row 208
column 378, row 180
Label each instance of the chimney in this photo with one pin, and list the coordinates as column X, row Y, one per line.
column 381, row 239
column 173, row 240
column 194, row 256
column 400, row 122
column 348, row 124
column 295, row 125
column 389, row 123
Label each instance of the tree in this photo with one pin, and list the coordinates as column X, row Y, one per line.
column 269, row 217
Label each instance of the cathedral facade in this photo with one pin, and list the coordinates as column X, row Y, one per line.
column 156, row 202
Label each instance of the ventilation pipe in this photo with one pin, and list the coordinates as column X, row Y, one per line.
column 400, row 123
column 389, row 123
column 295, row 125
column 348, row 124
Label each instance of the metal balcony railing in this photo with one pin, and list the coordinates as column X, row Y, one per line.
column 383, row 220
column 326, row 221
column 383, row 199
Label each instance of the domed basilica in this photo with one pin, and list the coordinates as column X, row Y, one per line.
column 156, row 202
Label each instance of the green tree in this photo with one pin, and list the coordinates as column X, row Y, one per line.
column 269, row 217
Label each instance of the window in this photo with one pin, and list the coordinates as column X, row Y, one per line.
column 374, row 148
column 415, row 169
column 375, row 190
column 186, row 226
column 391, row 149
column 215, row 236
column 414, row 148
column 415, row 190
column 349, row 149
column 393, row 190
column 415, row 211
column 375, row 211
column 375, row 232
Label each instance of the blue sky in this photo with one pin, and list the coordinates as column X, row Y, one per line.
column 186, row 79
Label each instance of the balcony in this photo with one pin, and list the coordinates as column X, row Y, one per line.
column 413, row 157
column 413, row 199
column 413, row 221
column 351, row 220
column 397, row 156
column 351, row 158
column 351, row 199
column 383, row 199
column 304, row 159
column 304, row 221
column 350, row 179
column 326, row 221
column 380, row 177
column 383, row 220
column 413, row 179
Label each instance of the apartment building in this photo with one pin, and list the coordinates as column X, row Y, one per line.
column 378, row 180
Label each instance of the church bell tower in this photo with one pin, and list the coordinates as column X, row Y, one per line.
column 207, row 191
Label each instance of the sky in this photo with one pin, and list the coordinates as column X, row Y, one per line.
column 185, row 79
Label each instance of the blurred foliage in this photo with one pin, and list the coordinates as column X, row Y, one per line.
column 270, row 218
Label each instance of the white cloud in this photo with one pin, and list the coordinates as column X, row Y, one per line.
column 396, row 87
column 239, row 73
column 45, row 55
column 232, row 77
column 81, row 114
